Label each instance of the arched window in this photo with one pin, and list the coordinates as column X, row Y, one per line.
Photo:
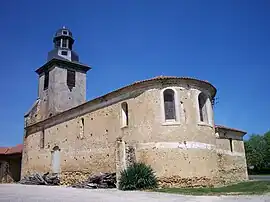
column 203, row 107
column 124, row 112
column 169, row 104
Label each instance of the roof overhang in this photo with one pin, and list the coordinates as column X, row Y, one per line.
column 226, row 132
column 63, row 63
column 11, row 150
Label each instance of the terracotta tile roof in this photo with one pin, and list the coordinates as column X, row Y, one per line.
column 227, row 128
column 11, row 150
column 161, row 77
column 3, row 150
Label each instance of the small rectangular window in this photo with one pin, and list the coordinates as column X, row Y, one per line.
column 64, row 32
column 42, row 136
column 46, row 80
column 64, row 52
column 71, row 76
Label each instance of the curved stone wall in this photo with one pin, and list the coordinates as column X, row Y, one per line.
column 185, row 148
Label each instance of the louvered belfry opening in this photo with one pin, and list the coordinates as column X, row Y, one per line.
column 71, row 78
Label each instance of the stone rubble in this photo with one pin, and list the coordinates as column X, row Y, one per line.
column 104, row 180
column 39, row 179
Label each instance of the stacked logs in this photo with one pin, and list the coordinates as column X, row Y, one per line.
column 68, row 178
column 104, row 180
column 39, row 179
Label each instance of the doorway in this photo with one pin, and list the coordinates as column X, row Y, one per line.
column 56, row 160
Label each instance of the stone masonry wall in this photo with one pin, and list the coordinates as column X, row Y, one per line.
column 232, row 165
column 90, row 152
column 58, row 97
column 184, row 149
column 180, row 166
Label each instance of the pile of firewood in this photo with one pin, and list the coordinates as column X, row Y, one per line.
column 104, row 180
column 39, row 179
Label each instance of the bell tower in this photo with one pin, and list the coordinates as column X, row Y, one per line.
column 62, row 79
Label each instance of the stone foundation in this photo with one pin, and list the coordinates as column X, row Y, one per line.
column 231, row 169
column 69, row 178
column 236, row 174
column 177, row 181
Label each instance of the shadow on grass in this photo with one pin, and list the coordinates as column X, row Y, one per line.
column 243, row 188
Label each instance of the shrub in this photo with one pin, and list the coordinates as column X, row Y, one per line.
column 137, row 176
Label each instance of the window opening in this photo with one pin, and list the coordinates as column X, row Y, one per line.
column 203, row 108
column 124, row 107
column 71, row 78
column 82, row 128
column 64, row 53
column 42, row 136
column 46, row 80
column 231, row 144
column 64, row 43
column 169, row 104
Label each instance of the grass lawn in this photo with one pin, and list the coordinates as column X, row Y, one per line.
column 243, row 188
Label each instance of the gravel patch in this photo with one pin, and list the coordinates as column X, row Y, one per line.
column 31, row 193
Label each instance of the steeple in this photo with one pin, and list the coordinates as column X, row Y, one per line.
column 63, row 44
column 62, row 79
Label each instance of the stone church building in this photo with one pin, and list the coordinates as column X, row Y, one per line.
column 166, row 122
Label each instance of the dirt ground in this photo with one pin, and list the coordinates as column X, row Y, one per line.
column 31, row 193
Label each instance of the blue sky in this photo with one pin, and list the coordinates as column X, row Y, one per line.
column 226, row 42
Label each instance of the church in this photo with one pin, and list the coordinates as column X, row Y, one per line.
column 166, row 122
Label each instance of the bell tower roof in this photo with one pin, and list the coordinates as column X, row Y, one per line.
column 63, row 54
column 63, row 46
column 63, row 33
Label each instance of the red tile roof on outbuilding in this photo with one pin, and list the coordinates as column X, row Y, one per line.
column 231, row 129
column 3, row 150
column 11, row 150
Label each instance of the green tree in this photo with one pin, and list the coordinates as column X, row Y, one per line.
column 267, row 149
column 256, row 151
